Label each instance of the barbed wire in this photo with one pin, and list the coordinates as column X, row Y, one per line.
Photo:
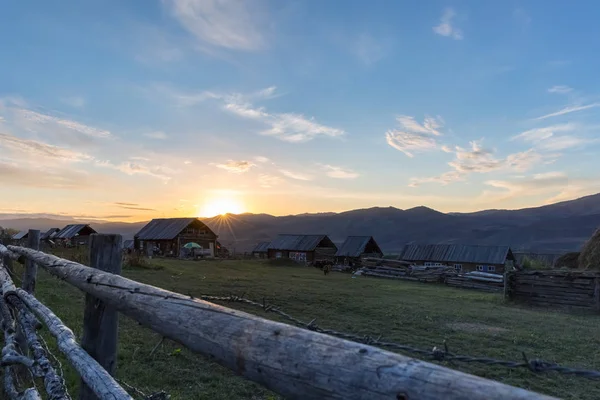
column 437, row 353
column 162, row 395
column 57, row 364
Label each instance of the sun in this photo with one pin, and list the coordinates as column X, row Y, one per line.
column 220, row 206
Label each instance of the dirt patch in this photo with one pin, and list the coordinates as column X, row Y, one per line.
column 477, row 328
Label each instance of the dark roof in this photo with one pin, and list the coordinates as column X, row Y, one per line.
column 70, row 231
column 128, row 244
column 262, row 247
column 20, row 235
column 457, row 253
column 354, row 246
column 165, row 228
column 48, row 234
column 299, row 242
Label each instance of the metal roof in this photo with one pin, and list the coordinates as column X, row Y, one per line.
column 262, row 247
column 457, row 253
column 20, row 235
column 299, row 242
column 354, row 246
column 166, row 228
column 48, row 234
column 70, row 231
column 128, row 244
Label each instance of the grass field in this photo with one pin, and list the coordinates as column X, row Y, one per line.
column 472, row 323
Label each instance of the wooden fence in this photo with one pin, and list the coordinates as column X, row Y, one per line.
column 294, row 362
column 569, row 289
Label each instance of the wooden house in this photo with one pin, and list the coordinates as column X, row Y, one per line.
column 74, row 235
column 20, row 238
column 302, row 248
column 356, row 247
column 167, row 236
column 261, row 250
column 49, row 234
column 464, row 258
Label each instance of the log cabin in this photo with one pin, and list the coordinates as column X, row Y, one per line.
column 167, row 236
column 74, row 235
column 302, row 248
column 355, row 248
column 463, row 258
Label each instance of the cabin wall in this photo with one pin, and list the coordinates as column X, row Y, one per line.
column 464, row 266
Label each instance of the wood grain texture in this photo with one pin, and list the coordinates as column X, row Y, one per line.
column 30, row 275
column 100, row 381
column 100, row 321
column 297, row 363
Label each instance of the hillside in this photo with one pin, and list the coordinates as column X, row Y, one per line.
column 557, row 227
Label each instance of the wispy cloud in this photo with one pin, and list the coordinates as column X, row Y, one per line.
column 568, row 110
column 537, row 184
column 237, row 167
column 333, row 171
column 140, row 168
column 546, row 138
column 478, row 159
column 289, row 127
column 296, row 175
column 560, row 89
column 268, row 181
column 40, row 118
column 17, row 174
column 446, row 26
column 230, row 24
column 413, row 136
column 133, row 207
column 156, row 135
column 38, row 149
column 261, row 159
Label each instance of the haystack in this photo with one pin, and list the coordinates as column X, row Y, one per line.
column 568, row 260
column 590, row 253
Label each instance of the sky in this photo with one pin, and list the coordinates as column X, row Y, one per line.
column 129, row 110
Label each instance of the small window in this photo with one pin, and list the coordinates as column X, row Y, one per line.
column 458, row 267
column 491, row 268
column 480, row 268
column 428, row 264
column 437, row 264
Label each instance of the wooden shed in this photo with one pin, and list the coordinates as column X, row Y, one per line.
column 167, row 236
column 356, row 247
column 20, row 238
column 302, row 248
column 261, row 250
column 74, row 235
column 464, row 258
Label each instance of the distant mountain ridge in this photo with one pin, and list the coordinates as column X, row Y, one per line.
column 559, row 227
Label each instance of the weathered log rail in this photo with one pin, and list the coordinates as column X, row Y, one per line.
column 557, row 288
column 295, row 362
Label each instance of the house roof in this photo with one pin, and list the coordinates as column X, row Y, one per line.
column 165, row 228
column 262, row 247
column 128, row 244
column 20, row 235
column 457, row 253
column 298, row 242
column 354, row 246
column 48, row 234
column 70, row 231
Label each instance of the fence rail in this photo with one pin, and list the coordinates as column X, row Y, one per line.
column 297, row 363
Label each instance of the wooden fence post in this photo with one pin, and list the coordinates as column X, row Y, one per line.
column 30, row 275
column 597, row 294
column 100, row 322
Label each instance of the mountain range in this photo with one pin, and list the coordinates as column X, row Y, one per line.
column 554, row 228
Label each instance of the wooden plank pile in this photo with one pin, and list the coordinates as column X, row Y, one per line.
column 477, row 280
column 395, row 269
column 572, row 289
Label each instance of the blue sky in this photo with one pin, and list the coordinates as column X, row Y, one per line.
column 129, row 110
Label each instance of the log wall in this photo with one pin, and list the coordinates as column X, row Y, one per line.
column 569, row 289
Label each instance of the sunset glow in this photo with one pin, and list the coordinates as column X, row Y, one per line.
column 221, row 206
